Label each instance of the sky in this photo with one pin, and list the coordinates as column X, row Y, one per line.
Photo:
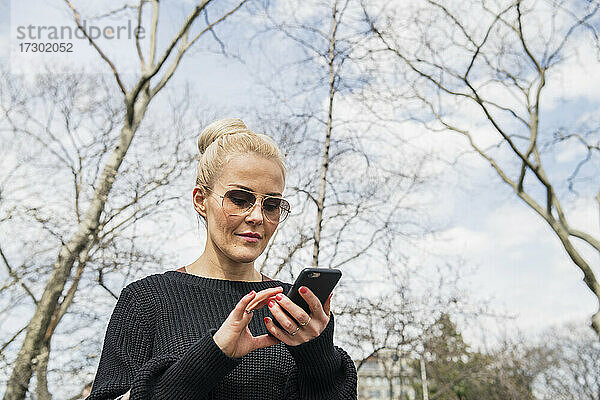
column 520, row 265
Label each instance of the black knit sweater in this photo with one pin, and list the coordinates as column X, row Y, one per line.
column 159, row 343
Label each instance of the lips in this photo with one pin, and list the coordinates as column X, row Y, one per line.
column 250, row 234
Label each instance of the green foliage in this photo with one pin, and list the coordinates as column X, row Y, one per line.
column 455, row 372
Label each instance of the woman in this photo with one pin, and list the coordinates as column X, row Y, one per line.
column 206, row 331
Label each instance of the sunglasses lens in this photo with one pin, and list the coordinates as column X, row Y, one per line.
column 283, row 210
column 272, row 208
column 238, row 201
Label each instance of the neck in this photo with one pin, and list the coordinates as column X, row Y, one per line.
column 210, row 265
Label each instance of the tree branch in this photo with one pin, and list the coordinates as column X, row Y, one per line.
column 103, row 285
column 13, row 274
column 12, row 339
column 137, row 35
column 153, row 32
column 185, row 46
column 100, row 52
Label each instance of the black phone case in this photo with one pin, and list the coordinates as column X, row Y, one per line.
column 321, row 281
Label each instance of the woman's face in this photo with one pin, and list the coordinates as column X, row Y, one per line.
column 243, row 171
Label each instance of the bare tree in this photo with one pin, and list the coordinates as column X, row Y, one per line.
column 480, row 69
column 319, row 44
column 571, row 356
column 390, row 331
column 350, row 189
column 63, row 138
column 354, row 179
column 157, row 67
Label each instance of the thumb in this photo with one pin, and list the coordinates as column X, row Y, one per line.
column 264, row 341
column 327, row 305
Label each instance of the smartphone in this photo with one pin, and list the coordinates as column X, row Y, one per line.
column 320, row 281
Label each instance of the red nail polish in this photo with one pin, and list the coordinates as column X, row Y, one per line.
column 251, row 292
column 279, row 297
column 271, row 303
column 303, row 289
column 266, row 320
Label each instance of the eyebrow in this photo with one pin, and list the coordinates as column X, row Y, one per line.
column 250, row 190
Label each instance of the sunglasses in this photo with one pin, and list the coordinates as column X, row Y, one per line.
column 240, row 201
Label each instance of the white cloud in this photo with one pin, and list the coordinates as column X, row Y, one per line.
column 521, row 266
column 577, row 77
column 4, row 45
column 569, row 154
column 584, row 214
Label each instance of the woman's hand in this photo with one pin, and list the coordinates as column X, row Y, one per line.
column 124, row 396
column 234, row 337
column 302, row 327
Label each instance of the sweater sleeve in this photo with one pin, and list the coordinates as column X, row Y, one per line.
column 126, row 362
column 322, row 371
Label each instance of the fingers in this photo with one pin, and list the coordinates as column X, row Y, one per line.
column 293, row 309
column 263, row 298
column 287, row 323
column 298, row 327
column 238, row 312
column 278, row 333
column 316, row 308
column 257, row 306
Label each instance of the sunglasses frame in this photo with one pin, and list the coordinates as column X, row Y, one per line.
column 256, row 197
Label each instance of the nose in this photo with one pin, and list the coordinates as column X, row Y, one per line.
column 255, row 214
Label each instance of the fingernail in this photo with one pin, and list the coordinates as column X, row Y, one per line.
column 279, row 297
column 266, row 320
column 303, row 289
column 271, row 303
column 251, row 293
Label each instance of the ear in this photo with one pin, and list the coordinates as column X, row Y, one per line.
column 199, row 201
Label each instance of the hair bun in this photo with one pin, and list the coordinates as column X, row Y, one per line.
column 228, row 137
column 218, row 129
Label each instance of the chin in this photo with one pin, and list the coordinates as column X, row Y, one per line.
column 245, row 257
column 245, row 260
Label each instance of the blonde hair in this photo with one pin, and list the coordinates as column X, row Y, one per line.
column 224, row 138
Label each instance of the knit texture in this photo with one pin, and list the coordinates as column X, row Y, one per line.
column 159, row 344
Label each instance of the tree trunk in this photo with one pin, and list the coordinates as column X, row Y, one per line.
column 41, row 372
column 325, row 161
column 69, row 253
column 424, row 379
column 136, row 104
